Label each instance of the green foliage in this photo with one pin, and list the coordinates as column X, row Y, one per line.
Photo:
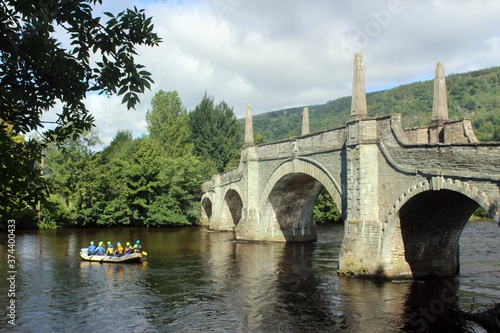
column 487, row 125
column 480, row 213
column 21, row 185
column 216, row 134
column 63, row 166
column 179, row 184
column 148, row 181
column 325, row 210
column 168, row 123
column 54, row 213
column 38, row 72
column 472, row 95
column 63, row 163
column 40, row 66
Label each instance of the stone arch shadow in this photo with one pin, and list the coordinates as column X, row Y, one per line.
column 424, row 226
column 288, row 199
column 232, row 207
column 207, row 201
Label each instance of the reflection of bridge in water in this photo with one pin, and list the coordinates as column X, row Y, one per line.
column 405, row 194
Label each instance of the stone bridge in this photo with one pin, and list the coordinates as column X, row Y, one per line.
column 405, row 194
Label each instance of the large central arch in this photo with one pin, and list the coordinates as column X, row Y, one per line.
column 288, row 199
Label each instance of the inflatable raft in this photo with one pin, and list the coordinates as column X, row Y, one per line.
column 127, row 258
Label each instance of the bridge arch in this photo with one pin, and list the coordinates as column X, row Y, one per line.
column 425, row 225
column 288, row 198
column 232, row 208
column 307, row 167
column 206, row 208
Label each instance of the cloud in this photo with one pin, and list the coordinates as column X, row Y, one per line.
column 282, row 54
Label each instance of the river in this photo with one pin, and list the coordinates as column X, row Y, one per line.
column 196, row 280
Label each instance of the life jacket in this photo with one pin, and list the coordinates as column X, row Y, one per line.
column 120, row 250
column 100, row 251
column 110, row 251
column 138, row 248
column 92, row 249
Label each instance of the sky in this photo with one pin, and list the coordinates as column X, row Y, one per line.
column 277, row 54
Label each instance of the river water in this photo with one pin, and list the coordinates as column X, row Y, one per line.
column 196, row 280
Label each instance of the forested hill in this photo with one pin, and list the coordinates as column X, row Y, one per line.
column 473, row 95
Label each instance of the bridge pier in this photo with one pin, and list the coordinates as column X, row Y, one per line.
column 362, row 232
column 359, row 253
column 246, row 228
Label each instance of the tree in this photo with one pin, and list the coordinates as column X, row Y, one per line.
column 216, row 133
column 102, row 195
column 63, row 163
column 20, row 179
column 175, row 171
column 63, row 166
column 168, row 123
column 149, row 181
column 325, row 210
column 36, row 72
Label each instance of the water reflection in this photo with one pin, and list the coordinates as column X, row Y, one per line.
column 428, row 306
column 196, row 280
column 373, row 306
column 302, row 294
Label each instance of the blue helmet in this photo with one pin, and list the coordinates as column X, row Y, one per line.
column 137, row 241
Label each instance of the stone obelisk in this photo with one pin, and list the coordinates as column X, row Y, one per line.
column 305, row 121
column 249, row 127
column 358, row 104
column 440, row 106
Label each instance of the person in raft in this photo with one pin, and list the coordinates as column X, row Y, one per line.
column 100, row 251
column 138, row 246
column 92, row 248
column 119, row 249
column 129, row 248
column 110, row 251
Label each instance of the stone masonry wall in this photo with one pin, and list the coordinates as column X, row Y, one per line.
column 418, row 135
column 459, row 132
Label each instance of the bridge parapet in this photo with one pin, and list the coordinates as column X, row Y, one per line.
column 320, row 142
column 477, row 160
column 456, row 131
column 230, row 176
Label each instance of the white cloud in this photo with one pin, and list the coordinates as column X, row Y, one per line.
column 281, row 54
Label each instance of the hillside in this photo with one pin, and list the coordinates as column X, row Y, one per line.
column 473, row 95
